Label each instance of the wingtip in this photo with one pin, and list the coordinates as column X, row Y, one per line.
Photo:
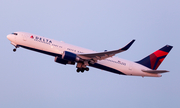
column 128, row 45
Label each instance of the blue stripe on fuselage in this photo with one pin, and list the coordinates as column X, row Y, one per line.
column 99, row 66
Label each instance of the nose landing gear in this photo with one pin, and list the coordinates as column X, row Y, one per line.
column 15, row 48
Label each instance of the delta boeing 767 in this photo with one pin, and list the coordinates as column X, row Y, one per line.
column 83, row 58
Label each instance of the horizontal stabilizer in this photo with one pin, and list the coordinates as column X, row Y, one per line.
column 155, row 71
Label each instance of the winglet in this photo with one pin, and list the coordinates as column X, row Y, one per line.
column 128, row 45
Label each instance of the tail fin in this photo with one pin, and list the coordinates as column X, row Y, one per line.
column 155, row 59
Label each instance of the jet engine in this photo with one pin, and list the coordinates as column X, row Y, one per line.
column 62, row 61
column 69, row 56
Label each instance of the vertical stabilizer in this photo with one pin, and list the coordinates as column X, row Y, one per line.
column 155, row 59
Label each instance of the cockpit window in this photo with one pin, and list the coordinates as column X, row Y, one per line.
column 14, row 33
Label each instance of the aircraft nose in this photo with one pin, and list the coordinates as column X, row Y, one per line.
column 9, row 37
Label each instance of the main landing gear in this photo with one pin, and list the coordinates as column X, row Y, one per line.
column 82, row 69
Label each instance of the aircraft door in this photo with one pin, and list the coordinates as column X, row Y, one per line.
column 131, row 66
column 24, row 37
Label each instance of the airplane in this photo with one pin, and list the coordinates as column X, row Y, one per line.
column 64, row 53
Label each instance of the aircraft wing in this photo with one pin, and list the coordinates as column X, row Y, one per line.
column 104, row 55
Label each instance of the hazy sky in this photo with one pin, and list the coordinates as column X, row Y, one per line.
column 32, row 80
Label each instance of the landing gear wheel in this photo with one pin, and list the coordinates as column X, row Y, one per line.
column 82, row 70
column 14, row 49
column 87, row 69
column 78, row 70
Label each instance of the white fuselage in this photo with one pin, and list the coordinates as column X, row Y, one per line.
column 53, row 47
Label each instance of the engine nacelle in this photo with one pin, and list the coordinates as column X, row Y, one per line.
column 62, row 61
column 69, row 56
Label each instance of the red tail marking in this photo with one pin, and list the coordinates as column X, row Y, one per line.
column 161, row 59
column 159, row 62
column 154, row 56
column 160, row 53
column 153, row 59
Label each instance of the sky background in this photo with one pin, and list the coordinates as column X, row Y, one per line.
column 32, row 80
